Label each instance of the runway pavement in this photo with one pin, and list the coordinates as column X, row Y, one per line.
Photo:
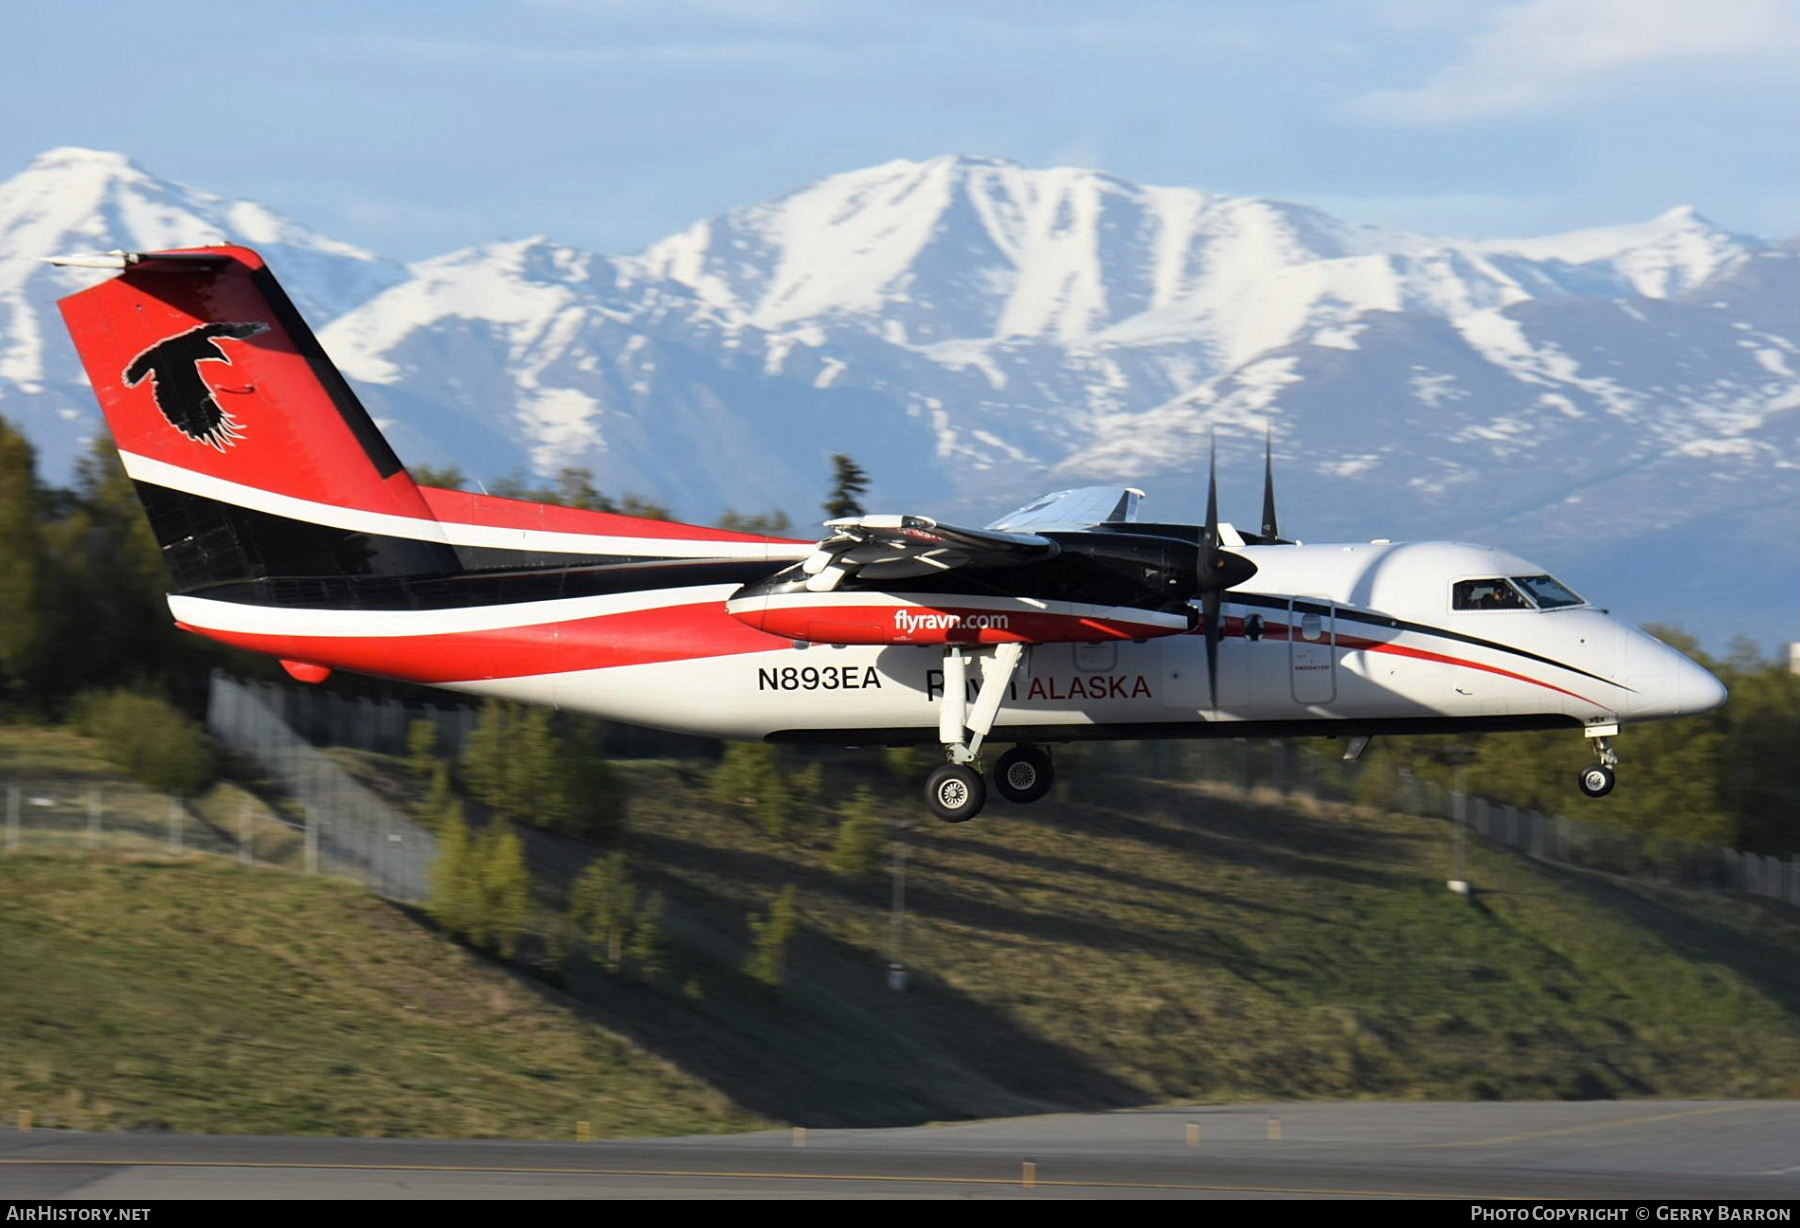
column 1590, row 1149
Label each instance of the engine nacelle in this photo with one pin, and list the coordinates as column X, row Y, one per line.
column 891, row 618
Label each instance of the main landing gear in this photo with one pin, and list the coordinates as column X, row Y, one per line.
column 1597, row 780
column 956, row 792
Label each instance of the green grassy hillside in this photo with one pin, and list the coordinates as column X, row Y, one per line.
column 1144, row 942
column 1159, row 942
column 193, row 995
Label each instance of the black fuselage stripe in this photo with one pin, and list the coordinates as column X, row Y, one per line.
column 227, row 552
column 1400, row 624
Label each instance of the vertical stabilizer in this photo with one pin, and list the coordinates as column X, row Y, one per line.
column 252, row 455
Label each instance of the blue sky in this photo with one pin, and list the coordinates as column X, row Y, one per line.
column 414, row 128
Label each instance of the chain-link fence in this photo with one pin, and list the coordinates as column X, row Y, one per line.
column 51, row 815
column 322, row 820
column 327, row 718
column 1305, row 771
column 1612, row 850
column 348, row 831
column 1299, row 770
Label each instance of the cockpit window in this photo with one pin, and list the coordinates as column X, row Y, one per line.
column 1547, row 592
column 1495, row 594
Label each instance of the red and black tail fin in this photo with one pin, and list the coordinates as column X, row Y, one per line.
column 254, row 459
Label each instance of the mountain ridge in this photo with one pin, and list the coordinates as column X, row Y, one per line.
column 976, row 331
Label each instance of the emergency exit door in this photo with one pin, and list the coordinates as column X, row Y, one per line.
column 1312, row 661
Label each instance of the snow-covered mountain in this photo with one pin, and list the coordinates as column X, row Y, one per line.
column 974, row 331
column 83, row 200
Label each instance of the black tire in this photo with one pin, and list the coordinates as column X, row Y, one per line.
column 955, row 793
column 1024, row 774
column 1597, row 780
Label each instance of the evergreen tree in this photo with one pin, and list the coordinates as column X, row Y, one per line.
column 454, row 898
column 768, row 524
column 907, row 763
column 601, row 905
column 848, row 484
column 599, row 797
column 749, row 776
column 575, row 488
column 421, row 748
column 648, row 948
column 443, row 477
column 105, row 578
column 440, row 798
column 774, row 805
column 1759, row 774
column 505, row 884
column 148, row 737
column 530, row 766
column 485, row 763
column 772, row 933
column 517, row 486
column 537, row 773
column 560, row 941
column 861, row 836
column 643, row 507
column 24, row 608
column 806, row 787
column 743, row 773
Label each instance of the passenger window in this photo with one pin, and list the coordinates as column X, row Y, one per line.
column 1495, row 594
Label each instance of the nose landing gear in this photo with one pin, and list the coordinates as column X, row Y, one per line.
column 1597, row 780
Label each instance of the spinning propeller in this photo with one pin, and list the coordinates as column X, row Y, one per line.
column 1217, row 568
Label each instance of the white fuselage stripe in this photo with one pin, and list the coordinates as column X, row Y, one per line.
column 279, row 620
column 456, row 533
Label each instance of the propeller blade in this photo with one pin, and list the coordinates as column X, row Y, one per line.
column 1209, row 605
column 1210, row 534
column 1268, row 520
column 1215, row 569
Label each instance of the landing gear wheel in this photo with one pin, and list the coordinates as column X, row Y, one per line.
column 1023, row 774
column 1597, row 781
column 955, row 793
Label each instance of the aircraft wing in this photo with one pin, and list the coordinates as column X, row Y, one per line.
column 896, row 547
column 1073, row 509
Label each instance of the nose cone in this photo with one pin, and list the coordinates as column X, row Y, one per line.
column 1698, row 690
column 1666, row 683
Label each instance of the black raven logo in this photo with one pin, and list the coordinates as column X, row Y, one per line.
column 173, row 366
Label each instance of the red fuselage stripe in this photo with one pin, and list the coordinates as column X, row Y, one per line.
column 1351, row 643
column 466, row 507
column 639, row 637
column 1440, row 658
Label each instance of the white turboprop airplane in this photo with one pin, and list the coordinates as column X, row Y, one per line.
column 292, row 529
